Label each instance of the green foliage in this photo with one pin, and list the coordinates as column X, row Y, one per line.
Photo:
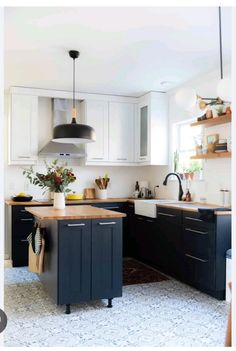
column 194, row 167
column 57, row 178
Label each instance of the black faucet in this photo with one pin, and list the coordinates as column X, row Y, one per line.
column 181, row 193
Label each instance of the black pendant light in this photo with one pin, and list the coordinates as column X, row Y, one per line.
column 73, row 133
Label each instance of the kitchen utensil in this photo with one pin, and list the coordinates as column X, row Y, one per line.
column 89, row 193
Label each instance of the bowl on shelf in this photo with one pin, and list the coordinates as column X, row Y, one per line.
column 25, row 198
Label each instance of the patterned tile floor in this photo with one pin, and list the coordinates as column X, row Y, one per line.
column 166, row 313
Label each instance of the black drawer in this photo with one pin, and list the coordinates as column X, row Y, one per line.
column 198, row 242
column 200, row 272
column 169, row 214
column 20, row 212
column 21, row 228
column 20, row 252
column 192, row 220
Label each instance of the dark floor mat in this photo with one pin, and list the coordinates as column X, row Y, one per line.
column 135, row 272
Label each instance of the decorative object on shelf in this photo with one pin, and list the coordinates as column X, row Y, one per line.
column 198, row 139
column 102, row 183
column 73, row 133
column 209, row 113
column 229, row 145
column 221, row 146
column 57, row 178
column 212, row 139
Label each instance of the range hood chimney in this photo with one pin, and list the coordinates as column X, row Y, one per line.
column 60, row 112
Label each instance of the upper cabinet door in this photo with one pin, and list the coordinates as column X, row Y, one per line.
column 96, row 116
column 143, row 133
column 121, row 132
column 23, row 131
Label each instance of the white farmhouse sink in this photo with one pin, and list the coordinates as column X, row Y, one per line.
column 148, row 208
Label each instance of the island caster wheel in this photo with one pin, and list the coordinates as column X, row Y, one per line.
column 67, row 309
column 109, row 303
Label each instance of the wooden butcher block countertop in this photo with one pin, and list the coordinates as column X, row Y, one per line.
column 73, row 212
column 11, row 202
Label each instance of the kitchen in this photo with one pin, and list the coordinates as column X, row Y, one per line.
column 139, row 127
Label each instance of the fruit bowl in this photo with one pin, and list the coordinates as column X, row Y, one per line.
column 20, row 198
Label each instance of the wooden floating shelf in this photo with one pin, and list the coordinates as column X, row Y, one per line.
column 211, row 155
column 213, row 121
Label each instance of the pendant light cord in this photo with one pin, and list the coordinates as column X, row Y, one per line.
column 73, row 103
column 220, row 37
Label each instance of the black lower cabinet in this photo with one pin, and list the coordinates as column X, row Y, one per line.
column 145, row 239
column 22, row 224
column 83, row 260
column 169, row 248
column 106, row 260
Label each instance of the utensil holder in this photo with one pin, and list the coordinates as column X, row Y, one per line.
column 101, row 193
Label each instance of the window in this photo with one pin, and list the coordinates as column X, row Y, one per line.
column 186, row 138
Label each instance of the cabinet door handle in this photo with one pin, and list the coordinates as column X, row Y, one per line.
column 23, row 211
column 142, row 158
column 97, row 158
column 194, row 219
column 166, row 214
column 76, row 225
column 196, row 231
column 26, row 219
column 24, row 156
column 23, row 240
column 140, row 218
column 196, row 258
column 107, row 223
column 112, row 208
column 150, row 221
column 122, row 159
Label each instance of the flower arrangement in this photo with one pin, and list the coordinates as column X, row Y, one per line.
column 57, row 178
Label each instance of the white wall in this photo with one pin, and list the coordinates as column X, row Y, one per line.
column 217, row 173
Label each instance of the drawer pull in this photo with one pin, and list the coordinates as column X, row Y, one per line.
column 97, row 158
column 140, row 218
column 121, row 159
column 23, row 240
column 150, row 221
column 194, row 219
column 23, row 211
column 76, row 225
column 166, row 214
column 24, row 156
column 196, row 258
column 111, row 208
column 26, row 219
column 196, row 231
column 107, row 223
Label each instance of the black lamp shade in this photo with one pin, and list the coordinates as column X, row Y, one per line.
column 73, row 133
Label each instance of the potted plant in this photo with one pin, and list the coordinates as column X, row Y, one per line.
column 56, row 179
column 194, row 167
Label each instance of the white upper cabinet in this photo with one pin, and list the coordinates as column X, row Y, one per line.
column 95, row 114
column 23, row 129
column 151, row 130
column 121, row 132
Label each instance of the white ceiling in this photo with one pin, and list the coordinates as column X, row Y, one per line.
column 124, row 50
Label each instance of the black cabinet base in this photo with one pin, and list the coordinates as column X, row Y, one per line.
column 109, row 305
column 68, row 311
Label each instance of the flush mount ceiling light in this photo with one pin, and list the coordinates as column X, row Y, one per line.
column 73, row 133
column 189, row 100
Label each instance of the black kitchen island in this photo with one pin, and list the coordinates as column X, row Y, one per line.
column 83, row 253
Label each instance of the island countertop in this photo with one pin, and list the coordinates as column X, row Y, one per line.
column 73, row 212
